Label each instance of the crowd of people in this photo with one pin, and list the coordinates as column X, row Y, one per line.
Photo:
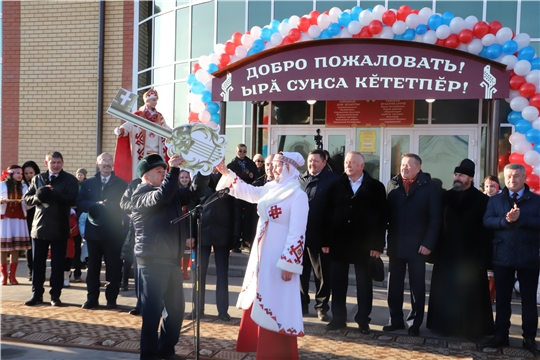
column 292, row 224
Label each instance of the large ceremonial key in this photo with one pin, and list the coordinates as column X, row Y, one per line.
column 201, row 146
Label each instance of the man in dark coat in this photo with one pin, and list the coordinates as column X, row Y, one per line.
column 53, row 193
column 414, row 221
column 156, row 202
column 358, row 226
column 316, row 182
column 100, row 196
column 514, row 217
column 459, row 302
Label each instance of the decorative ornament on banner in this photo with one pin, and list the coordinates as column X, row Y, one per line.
column 489, row 40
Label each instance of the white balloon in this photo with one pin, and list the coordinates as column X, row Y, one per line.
column 443, row 31
column 536, row 169
column 293, row 21
column 430, row 37
column 366, row 17
column 276, row 39
column 240, row 51
column 204, row 61
column 522, row 40
column 234, row 58
column 519, row 103
column 387, row 33
column 214, row 59
column 503, row 35
column 412, row 21
column 488, row 39
column 399, row 27
column 255, row 32
column 208, row 84
column 269, row 45
column 334, row 13
column 457, row 24
column 202, row 75
column 424, row 14
column 536, row 124
column 531, row 158
column 529, row 113
column 354, row 27
column 204, row 117
column 194, row 97
column 522, row 67
column 516, row 137
column 345, row 33
column 219, row 48
column 305, row 37
column 522, row 146
column 470, row 21
column 418, row 38
column 533, row 77
column 284, row 29
column 247, row 41
column 197, row 106
column 323, row 21
column 378, row 12
column 513, row 94
column 314, row 31
column 510, row 61
column 475, row 46
column 463, row 47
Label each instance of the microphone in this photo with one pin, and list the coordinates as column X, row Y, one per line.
column 221, row 193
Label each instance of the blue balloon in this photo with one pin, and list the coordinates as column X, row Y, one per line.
column 447, row 17
column 527, row 53
column 206, row 96
column 421, row 29
column 483, row 52
column 325, row 34
column 493, row 51
column 274, row 24
column 334, row 29
column 370, row 10
column 514, row 117
column 286, row 21
column 434, row 21
column 398, row 37
column 355, row 12
column 535, row 64
column 197, row 87
column 214, row 118
column 212, row 68
column 191, row 79
column 536, row 147
column 533, row 136
column 258, row 45
column 510, row 47
column 251, row 51
column 344, row 19
column 409, row 34
column 212, row 107
column 522, row 126
column 266, row 33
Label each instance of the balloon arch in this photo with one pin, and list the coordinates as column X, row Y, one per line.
column 492, row 41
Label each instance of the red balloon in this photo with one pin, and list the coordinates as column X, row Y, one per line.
column 286, row 40
column 466, row 36
column 364, row 33
column 237, row 38
column 193, row 117
column 224, row 59
column 516, row 81
column 537, row 191
column 403, row 12
column 528, row 170
column 195, row 68
column 326, row 12
column 527, row 90
column 494, row 26
column 480, row 29
column 516, row 158
column 303, row 24
column 452, row 41
column 375, row 27
column 229, row 48
column 533, row 181
column 388, row 18
column 356, row 36
column 535, row 101
column 503, row 161
column 439, row 42
column 313, row 16
column 295, row 34
column 415, row 11
column 265, row 120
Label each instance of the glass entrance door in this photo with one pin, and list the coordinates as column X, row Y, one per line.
column 441, row 150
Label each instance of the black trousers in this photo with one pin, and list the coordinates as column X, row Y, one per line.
column 396, row 286
column 76, row 261
column 58, row 256
column 110, row 251
column 528, row 284
column 314, row 259
column 364, row 292
column 221, row 256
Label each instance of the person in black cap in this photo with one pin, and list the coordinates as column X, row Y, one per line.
column 155, row 203
column 459, row 302
column 100, row 198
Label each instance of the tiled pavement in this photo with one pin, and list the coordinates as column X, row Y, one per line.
column 119, row 331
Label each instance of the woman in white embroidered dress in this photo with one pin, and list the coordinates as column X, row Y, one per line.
column 272, row 317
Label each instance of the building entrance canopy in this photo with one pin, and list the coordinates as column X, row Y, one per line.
column 360, row 69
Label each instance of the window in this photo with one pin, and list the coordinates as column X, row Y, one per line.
column 181, row 109
column 454, row 112
column 145, row 45
column 291, row 112
column 182, row 34
column 202, row 29
column 504, row 11
column 163, row 39
column 228, row 10
column 259, row 13
column 461, row 8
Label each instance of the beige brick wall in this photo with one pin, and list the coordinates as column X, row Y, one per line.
column 58, row 79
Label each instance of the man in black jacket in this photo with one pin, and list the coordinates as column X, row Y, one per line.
column 53, row 193
column 358, row 227
column 315, row 182
column 414, row 221
column 156, row 202
column 100, row 198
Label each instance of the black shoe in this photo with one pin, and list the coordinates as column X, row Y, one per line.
column 393, row 327
column 77, row 280
column 170, row 357
column 364, row 329
column 497, row 342
column 224, row 317
column 124, row 288
column 34, row 301
column 413, row 331
column 135, row 312
column 56, row 302
column 335, row 326
column 237, row 251
column 530, row 344
column 89, row 304
column 111, row 305
column 322, row 315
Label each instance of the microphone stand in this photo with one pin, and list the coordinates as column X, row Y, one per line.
column 197, row 214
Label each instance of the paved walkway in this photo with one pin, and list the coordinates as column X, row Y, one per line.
column 71, row 327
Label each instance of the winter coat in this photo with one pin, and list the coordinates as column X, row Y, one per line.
column 319, row 206
column 515, row 244
column 51, row 221
column 217, row 221
column 357, row 221
column 414, row 219
column 244, row 173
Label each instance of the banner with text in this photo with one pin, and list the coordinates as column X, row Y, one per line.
column 370, row 113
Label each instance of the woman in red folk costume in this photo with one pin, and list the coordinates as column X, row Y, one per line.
column 14, row 230
column 134, row 142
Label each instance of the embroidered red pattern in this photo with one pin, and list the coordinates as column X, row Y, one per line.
column 275, row 212
column 296, row 252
